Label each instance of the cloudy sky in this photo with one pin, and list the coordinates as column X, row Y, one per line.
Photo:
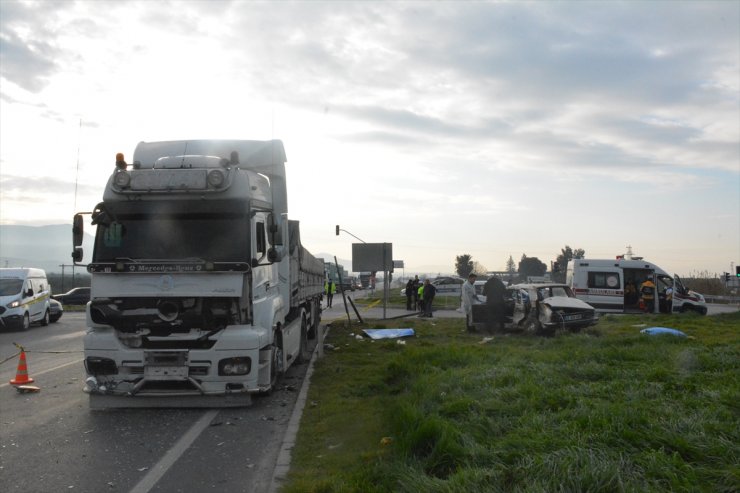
column 490, row 128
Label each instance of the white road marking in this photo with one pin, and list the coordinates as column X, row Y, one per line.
column 168, row 460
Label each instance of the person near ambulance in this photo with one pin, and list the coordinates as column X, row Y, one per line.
column 647, row 295
column 469, row 298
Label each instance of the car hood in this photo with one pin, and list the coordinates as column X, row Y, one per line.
column 566, row 302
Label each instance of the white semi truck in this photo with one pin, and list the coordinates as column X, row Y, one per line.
column 201, row 292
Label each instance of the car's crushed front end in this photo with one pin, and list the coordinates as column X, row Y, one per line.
column 561, row 312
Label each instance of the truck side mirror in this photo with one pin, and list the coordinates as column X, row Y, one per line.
column 276, row 232
column 77, row 254
column 78, row 228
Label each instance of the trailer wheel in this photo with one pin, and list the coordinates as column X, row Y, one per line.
column 313, row 328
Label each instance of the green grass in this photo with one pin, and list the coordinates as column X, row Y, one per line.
column 607, row 410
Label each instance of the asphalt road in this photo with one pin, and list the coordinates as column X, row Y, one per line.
column 50, row 441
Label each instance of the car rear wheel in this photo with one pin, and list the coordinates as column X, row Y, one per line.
column 45, row 320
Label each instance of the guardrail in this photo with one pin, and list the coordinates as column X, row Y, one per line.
column 725, row 300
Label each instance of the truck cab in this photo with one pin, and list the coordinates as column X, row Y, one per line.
column 200, row 286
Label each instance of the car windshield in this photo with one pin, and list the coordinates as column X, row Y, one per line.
column 550, row 291
column 9, row 287
column 222, row 237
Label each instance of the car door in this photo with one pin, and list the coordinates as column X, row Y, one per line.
column 30, row 295
column 522, row 306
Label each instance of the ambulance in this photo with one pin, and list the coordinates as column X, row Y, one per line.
column 613, row 286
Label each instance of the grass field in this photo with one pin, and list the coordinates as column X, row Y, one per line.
column 605, row 410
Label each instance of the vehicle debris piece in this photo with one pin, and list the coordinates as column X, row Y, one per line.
column 389, row 333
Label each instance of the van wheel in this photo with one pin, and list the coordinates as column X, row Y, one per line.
column 26, row 322
column 45, row 320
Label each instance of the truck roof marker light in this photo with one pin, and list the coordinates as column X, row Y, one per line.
column 121, row 179
column 120, row 162
column 216, row 178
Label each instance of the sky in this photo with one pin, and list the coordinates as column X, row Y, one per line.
column 493, row 129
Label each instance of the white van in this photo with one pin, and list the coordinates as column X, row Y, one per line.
column 24, row 298
column 613, row 286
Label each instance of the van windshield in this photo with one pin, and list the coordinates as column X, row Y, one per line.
column 9, row 287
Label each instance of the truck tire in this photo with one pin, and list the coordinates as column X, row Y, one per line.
column 274, row 373
column 303, row 354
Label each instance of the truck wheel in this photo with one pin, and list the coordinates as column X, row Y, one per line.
column 274, row 365
column 45, row 320
column 26, row 324
column 303, row 354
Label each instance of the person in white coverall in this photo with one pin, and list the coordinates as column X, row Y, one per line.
column 469, row 298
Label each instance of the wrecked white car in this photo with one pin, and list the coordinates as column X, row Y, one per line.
column 540, row 309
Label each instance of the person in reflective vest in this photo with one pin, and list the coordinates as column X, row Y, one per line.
column 329, row 289
column 647, row 295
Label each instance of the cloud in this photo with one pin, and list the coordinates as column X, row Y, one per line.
column 27, row 59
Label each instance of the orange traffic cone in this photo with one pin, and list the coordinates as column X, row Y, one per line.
column 21, row 376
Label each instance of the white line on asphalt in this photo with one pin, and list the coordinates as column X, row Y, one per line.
column 75, row 362
column 169, row 459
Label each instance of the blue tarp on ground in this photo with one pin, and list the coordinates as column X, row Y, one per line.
column 388, row 333
column 654, row 331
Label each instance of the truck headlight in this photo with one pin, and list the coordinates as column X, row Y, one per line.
column 216, row 178
column 121, row 179
column 14, row 304
column 234, row 366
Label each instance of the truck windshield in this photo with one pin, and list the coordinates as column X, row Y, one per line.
column 222, row 237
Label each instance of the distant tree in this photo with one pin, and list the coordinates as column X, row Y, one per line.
column 531, row 266
column 479, row 269
column 511, row 268
column 561, row 262
column 464, row 265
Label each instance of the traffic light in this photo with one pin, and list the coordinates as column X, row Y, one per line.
column 737, row 270
column 727, row 277
column 337, row 230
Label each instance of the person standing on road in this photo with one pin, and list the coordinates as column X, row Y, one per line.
column 415, row 293
column 420, row 299
column 410, row 292
column 469, row 298
column 429, row 292
column 494, row 291
column 330, row 289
